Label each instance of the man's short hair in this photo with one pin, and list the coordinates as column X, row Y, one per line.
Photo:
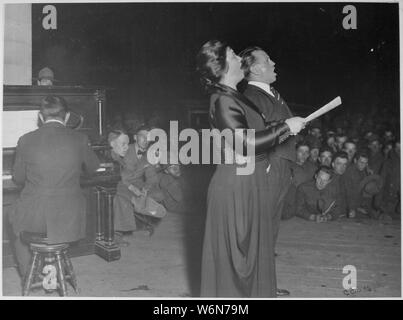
column 324, row 149
column 248, row 59
column 349, row 141
column 325, row 169
column 302, row 143
column 144, row 127
column 114, row 134
column 341, row 135
column 361, row 154
column 341, row 155
column 53, row 107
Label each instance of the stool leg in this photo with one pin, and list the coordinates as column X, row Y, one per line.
column 60, row 274
column 39, row 268
column 30, row 275
column 70, row 270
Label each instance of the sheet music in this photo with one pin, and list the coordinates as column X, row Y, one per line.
column 17, row 123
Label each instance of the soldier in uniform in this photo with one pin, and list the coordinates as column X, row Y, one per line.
column 302, row 171
column 355, row 173
column 317, row 199
column 325, row 156
column 376, row 158
column 138, row 177
column 390, row 195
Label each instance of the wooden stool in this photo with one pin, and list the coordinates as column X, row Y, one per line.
column 44, row 254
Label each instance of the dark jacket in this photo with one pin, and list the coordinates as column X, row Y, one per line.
column 391, row 174
column 302, row 173
column 227, row 112
column 312, row 201
column 173, row 192
column 238, row 256
column 352, row 178
column 375, row 162
column 274, row 109
column 49, row 163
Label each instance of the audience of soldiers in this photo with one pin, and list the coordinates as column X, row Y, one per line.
column 346, row 167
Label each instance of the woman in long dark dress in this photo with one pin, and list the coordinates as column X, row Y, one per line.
column 238, row 250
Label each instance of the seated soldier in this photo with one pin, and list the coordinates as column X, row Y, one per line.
column 314, row 145
column 172, row 187
column 316, row 200
column 389, row 198
column 341, row 138
column 325, row 156
column 387, row 148
column 354, row 175
column 350, row 148
column 339, row 165
column 331, row 141
column 388, row 136
column 376, row 158
column 301, row 171
column 137, row 180
column 314, row 133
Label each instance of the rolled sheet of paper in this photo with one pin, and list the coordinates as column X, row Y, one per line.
column 326, row 108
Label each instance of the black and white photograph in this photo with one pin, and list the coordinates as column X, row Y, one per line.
column 197, row 150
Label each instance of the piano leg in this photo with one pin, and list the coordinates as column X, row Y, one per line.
column 107, row 248
column 99, row 215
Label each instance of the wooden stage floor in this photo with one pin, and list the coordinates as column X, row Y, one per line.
column 312, row 256
column 310, row 262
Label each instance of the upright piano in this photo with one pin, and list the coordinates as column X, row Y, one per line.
column 88, row 110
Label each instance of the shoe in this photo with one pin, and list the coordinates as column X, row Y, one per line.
column 282, row 292
column 120, row 240
column 121, row 243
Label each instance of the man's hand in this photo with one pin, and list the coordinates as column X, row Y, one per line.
column 352, row 214
column 135, row 190
column 296, row 124
column 144, row 191
column 323, row 218
column 362, row 210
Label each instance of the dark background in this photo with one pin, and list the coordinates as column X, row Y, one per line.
column 146, row 52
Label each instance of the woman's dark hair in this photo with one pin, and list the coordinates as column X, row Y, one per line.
column 211, row 62
column 54, row 107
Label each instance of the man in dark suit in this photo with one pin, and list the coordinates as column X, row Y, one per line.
column 48, row 164
column 259, row 71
